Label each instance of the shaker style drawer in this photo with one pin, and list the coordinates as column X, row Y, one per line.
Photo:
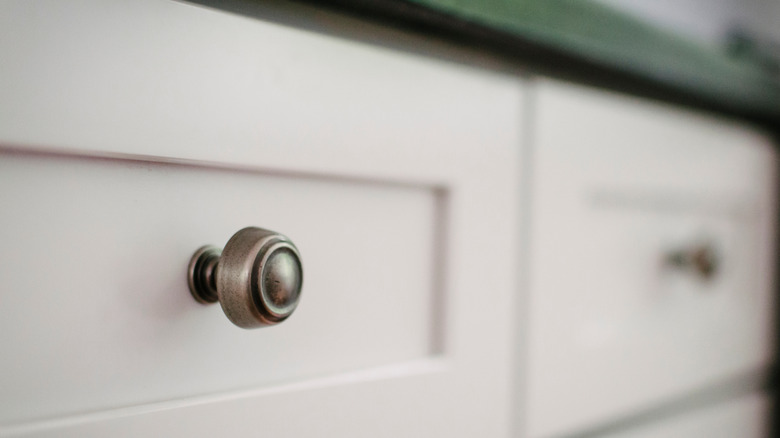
column 651, row 256
column 98, row 313
column 134, row 132
column 744, row 417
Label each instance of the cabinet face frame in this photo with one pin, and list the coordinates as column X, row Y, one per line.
column 182, row 85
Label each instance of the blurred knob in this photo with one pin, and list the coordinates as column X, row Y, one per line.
column 256, row 278
column 702, row 259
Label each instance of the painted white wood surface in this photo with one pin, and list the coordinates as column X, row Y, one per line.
column 97, row 274
column 745, row 417
column 311, row 135
column 174, row 80
column 617, row 183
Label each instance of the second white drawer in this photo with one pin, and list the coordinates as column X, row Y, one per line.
column 624, row 192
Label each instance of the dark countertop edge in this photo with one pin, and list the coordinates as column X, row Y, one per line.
column 558, row 61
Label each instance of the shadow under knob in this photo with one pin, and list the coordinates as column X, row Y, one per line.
column 256, row 278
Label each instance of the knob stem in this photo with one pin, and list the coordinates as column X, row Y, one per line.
column 203, row 274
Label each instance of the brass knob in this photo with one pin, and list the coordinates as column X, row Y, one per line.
column 256, row 278
column 702, row 259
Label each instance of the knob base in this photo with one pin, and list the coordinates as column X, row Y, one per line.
column 201, row 275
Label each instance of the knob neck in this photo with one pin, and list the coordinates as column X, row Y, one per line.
column 203, row 274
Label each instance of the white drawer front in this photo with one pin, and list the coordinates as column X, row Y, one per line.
column 618, row 185
column 97, row 313
column 132, row 132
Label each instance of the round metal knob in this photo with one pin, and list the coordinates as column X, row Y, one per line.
column 256, row 278
column 701, row 259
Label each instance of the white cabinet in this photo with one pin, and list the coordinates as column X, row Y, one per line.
column 619, row 185
column 132, row 132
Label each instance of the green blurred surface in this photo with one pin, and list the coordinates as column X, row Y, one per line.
column 617, row 40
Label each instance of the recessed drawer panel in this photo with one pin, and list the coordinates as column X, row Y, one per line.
column 96, row 311
column 651, row 257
